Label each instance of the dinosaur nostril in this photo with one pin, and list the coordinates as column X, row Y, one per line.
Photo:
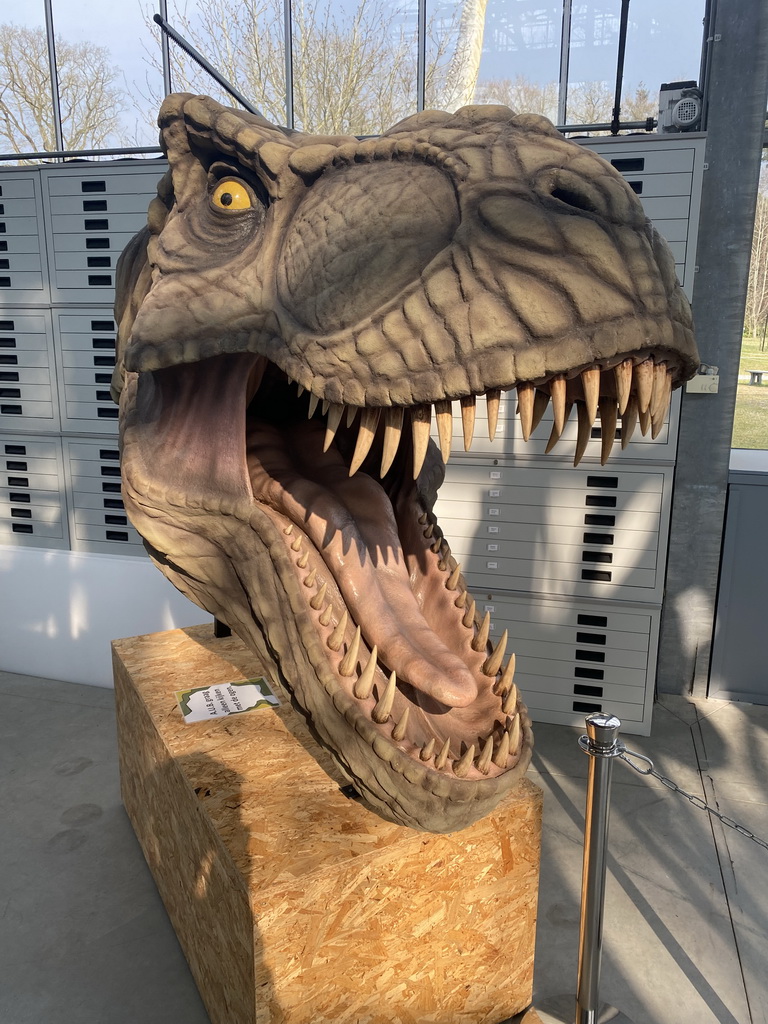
column 573, row 198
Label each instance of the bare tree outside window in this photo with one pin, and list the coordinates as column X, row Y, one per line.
column 354, row 70
column 91, row 102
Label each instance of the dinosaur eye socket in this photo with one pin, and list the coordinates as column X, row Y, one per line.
column 231, row 196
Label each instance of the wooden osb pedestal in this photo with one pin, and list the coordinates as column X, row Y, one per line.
column 293, row 903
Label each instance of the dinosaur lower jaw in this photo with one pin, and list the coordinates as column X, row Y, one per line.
column 399, row 647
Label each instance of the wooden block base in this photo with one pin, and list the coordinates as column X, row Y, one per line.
column 293, row 903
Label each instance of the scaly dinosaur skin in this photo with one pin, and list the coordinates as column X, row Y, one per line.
column 458, row 255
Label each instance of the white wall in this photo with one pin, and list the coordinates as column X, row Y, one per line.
column 59, row 610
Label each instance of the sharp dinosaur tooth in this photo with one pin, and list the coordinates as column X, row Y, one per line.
column 352, row 411
column 399, row 731
column 348, row 662
column 369, row 420
column 608, row 411
column 313, row 402
column 429, row 530
column 453, row 580
column 393, row 430
column 484, row 760
column 309, row 580
column 628, row 421
column 503, row 686
column 444, row 419
column 493, row 664
column 468, row 420
column 427, row 750
column 645, row 421
column 302, row 562
column 662, row 393
column 423, row 518
column 325, row 614
column 492, row 399
column 334, row 418
column 384, row 704
column 659, row 376
column 480, row 643
column 316, row 601
column 336, row 637
column 514, row 734
column 502, row 754
column 585, row 428
column 299, row 389
column 540, row 403
column 643, row 377
column 442, row 757
column 296, row 544
column 364, row 684
column 557, row 389
column 461, row 599
column 525, row 407
column 469, row 614
column 462, row 766
column 421, row 418
column 590, row 381
column 554, row 436
column 325, row 407
column 510, row 701
column 288, row 530
column 623, row 375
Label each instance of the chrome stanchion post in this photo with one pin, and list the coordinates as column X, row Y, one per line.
column 601, row 743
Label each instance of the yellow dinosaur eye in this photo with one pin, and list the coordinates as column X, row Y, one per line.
column 231, row 195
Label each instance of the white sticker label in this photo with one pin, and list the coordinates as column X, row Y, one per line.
column 492, row 565
column 204, row 702
column 494, row 494
column 493, row 529
column 495, row 474
column 489, row 607
column 493, row 511
column 491, row 547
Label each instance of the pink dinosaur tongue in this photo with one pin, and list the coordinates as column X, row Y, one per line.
column 352, row 523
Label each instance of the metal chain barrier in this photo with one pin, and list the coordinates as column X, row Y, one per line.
column 603, row 746
column 626, row 755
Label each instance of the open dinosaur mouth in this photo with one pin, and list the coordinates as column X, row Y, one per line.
column 345, row 495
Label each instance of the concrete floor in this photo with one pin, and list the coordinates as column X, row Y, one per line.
column 84, row 938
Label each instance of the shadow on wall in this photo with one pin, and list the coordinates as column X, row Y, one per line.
column 59, row 610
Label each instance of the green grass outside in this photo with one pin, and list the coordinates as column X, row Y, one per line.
column 750, row 425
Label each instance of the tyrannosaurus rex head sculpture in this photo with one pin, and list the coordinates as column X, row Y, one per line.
column 294, row 313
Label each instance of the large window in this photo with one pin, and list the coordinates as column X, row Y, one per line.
column 333, row 66
column 750, row 425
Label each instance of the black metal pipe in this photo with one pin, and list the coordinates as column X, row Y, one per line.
column 615, row 118
column 198, row 58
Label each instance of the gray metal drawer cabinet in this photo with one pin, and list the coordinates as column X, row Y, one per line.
column 32, row 502
column 85, row 345
column 97, row 516
column 28, row 398
column 615, row 548
column 92, row 212
column 23, row 272
column 576, row 657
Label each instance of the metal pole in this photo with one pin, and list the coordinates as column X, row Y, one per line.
column 58, row 135
column 165, row 50
column 421, row 55
column 601, row 743
column 623, row 24
column 565, row 58
column 288, row 33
